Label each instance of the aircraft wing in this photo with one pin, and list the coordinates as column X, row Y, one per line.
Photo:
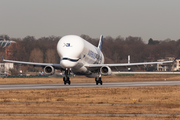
column 57, row 66
column 125, row 64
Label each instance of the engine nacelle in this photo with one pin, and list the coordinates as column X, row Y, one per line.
column 49, row 70
column 105, row 70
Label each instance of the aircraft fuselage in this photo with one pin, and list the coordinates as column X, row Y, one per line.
column 75, row 53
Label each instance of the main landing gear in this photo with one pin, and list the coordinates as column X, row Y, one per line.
column 66, row 78
column 98, row 80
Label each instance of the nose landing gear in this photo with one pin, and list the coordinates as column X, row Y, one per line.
column 66, row 78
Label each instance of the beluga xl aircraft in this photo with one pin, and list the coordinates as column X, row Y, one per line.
column 82, row 58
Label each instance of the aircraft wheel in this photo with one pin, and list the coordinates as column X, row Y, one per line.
column 64, row 82
column 101, row 82
column 96, row 82
column 64, row 79
column 69, row 82
column 96, row 79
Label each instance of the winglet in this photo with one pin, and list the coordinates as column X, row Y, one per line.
column 100, row 42
column 2, row 57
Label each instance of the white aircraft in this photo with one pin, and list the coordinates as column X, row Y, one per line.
column 82, row 58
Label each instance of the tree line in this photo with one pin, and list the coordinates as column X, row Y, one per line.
column 115, row 50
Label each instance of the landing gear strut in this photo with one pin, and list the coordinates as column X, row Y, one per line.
column 98, row 80
column 66, row 78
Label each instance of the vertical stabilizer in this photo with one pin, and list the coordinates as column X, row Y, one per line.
column 100, row 43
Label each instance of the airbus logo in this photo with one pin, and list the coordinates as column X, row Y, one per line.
column 67, row 45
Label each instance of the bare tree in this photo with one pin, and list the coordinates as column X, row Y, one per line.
column 36, row 55
column 50, row 56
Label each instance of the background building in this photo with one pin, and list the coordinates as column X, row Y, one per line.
column 175, row 66
column 5, row 50
column 5, row 68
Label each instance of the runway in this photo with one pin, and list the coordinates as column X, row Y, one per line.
column 87, row 85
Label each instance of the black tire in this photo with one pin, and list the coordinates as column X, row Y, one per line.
column 69, row 82
column 96, row 82
column 101, row 82
column 64, row 82
column 96, row 79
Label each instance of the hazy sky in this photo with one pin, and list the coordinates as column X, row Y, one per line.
column 157, row 19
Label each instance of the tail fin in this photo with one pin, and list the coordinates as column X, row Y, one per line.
column 100, row 43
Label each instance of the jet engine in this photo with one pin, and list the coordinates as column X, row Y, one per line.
column 105, row 70
column 49, row 70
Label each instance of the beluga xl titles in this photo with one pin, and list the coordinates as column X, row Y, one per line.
column 82, row 58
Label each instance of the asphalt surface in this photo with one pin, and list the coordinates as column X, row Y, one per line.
column 87, row 85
